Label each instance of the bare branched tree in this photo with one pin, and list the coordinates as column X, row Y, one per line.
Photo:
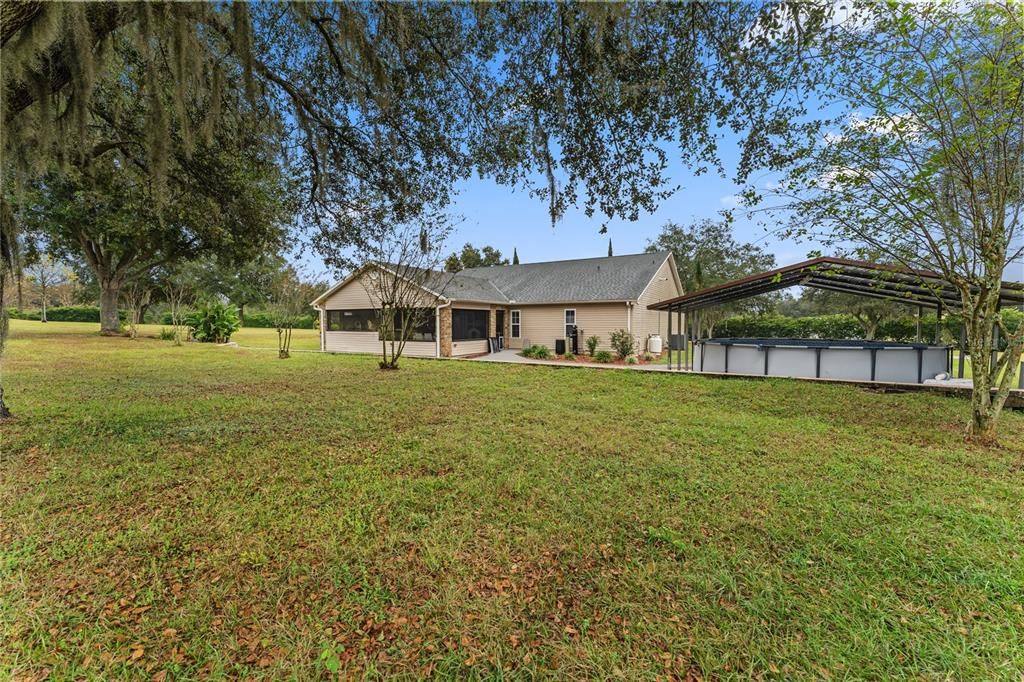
column 136, row 297
column 46, row 273
column 287, row 303
column 179, row 297
column 402, row 272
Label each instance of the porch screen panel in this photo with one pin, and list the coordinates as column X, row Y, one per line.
column 468, row 325
column 364, row 320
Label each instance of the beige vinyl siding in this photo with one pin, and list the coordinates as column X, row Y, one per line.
column 460, row 348
column 354, row 296
column 646, row 322
column 369, row 342
column 544, row 324
column 351, row 296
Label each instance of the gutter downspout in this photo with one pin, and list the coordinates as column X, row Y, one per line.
column 437, row 328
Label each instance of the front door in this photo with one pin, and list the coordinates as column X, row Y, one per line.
column 499, row 328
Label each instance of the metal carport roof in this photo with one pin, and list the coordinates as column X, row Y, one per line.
column 863, row 278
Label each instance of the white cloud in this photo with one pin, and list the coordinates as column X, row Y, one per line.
column 905, row 123
column 731, row 200
column 842, row 13
column 838, row 178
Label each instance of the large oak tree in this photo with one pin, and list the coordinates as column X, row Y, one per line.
column 385, row 106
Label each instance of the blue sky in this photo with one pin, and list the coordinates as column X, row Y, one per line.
column 505, row 218
column 508, row 218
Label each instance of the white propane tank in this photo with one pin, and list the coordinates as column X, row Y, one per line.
column 654, row 344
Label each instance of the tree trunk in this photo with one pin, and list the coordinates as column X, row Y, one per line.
column 44, row 306
column 241, row 314
column 110, row 292
column 21, row 296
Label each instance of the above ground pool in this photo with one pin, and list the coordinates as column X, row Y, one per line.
column 908, row 363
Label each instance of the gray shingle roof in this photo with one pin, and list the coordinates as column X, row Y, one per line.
column 614, row 278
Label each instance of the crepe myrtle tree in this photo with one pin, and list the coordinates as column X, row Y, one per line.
column 923, row 161
column 402, row 270
column 289, row 299
column 179, row 296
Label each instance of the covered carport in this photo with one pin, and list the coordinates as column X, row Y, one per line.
column 854, row 360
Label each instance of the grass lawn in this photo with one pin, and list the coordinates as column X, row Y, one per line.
column 186, row 512
column 251, row 337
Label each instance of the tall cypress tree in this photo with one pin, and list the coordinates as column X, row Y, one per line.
column 515, row 256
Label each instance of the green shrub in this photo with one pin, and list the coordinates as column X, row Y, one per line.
column 623, row 343
column 648, row 357
column 592, row 342
column 537, row 352
column 15, row 314
column 213, row 322
column 631, row 360
column 846, row 327
column 603, row 356
column 166, row 334
column 568, row 356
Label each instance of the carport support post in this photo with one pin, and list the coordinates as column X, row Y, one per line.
column 938, row 325
column 679, row 321
column 686, row 340
column 919, row 310
column 668, row 348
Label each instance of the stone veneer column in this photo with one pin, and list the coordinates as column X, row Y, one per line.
column 492, row 322
column 507, row 331
column 445, row 322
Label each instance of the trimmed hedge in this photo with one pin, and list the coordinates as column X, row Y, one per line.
column 71, row 313
column 845, row 327
column 263, row 319
column 260, row 319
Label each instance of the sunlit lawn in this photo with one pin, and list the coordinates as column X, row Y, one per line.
column 252, row 337
column 185, row 512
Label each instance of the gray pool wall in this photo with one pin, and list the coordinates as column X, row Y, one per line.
column 895, row 363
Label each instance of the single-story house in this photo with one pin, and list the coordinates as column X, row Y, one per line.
column 522, row 305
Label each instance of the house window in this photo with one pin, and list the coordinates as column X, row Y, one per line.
column 424, row 331
column 570, row 322
column 515, row 323
column 363, row 320
column 468, row 325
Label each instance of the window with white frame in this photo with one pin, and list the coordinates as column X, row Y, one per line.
column 570, row 322
column 515, row 324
